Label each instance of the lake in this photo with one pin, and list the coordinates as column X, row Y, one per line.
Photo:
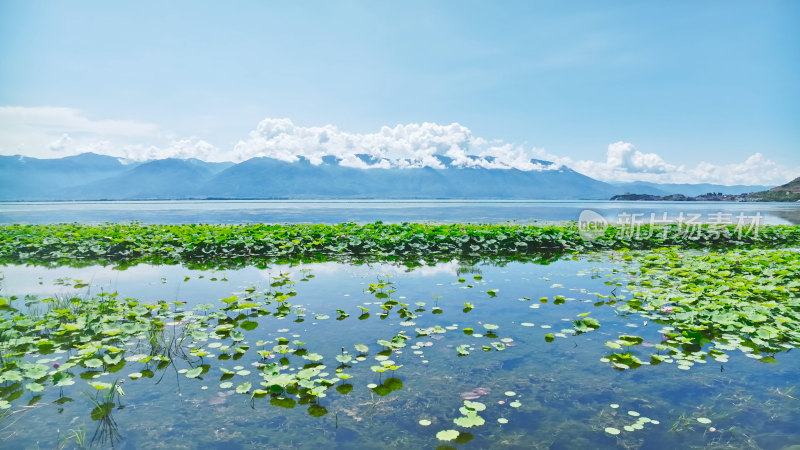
column 494, row 354
column 362, row 211
column 489, row 351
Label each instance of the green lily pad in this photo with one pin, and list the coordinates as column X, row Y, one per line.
column 34, row 387
column 475, row 406
column 447, row 435
column 469, row 421
column 194, row 373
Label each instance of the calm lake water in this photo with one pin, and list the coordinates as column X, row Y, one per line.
column 481, row 333
column 537, row 394
column 337, row 211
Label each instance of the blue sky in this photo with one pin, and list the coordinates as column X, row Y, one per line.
column 662, row 91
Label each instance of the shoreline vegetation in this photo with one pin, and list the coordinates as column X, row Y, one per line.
column 789, row 192
column 411, row 244
column 766, row 196
column 709, row 197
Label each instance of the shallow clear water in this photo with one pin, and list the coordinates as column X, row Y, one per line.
column 563, row 389
column 361, row 211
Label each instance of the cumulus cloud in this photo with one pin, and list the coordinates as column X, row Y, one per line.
column 623, row 155
column 625, row 163
column 403, row 146
column 47, row 132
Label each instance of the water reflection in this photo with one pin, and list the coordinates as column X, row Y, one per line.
column 232, row 367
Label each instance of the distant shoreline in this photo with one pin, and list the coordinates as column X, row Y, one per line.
column 712, row 197
column 616, row 198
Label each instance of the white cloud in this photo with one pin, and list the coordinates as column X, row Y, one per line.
column 60, row 120
column 50, row 132
column 60, row 144
column 756, row 169
column 405, row 146
column 625, row 163
column 53, row 132
column 183, row 149
column 623, row 155
column 46, row 132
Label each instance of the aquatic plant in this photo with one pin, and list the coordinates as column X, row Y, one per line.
column 105, row 402
column 706, row 303
column 213, row 246
column 711, row 303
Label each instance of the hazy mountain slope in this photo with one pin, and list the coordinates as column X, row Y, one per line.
column 212, row 167
column 95, row 177
column 45, row 179
column 269, row 178
column 160, row 179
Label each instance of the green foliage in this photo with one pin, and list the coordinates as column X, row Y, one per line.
column 776, row 196
column 94, row 336
column 469, row 415
column 708, row 303
column 213, row 246
column 585, row 325
column 711, row 303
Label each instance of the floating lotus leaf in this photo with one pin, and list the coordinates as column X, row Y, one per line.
column 447, row 435
column 194, row 373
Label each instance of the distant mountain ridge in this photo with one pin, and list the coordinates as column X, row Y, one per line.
column 792, row 186
column 96, row 177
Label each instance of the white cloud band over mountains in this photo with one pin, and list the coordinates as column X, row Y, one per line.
column 54, row 132
column 404, row 146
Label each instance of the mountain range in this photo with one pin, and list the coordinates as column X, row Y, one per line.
column 90, row 176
